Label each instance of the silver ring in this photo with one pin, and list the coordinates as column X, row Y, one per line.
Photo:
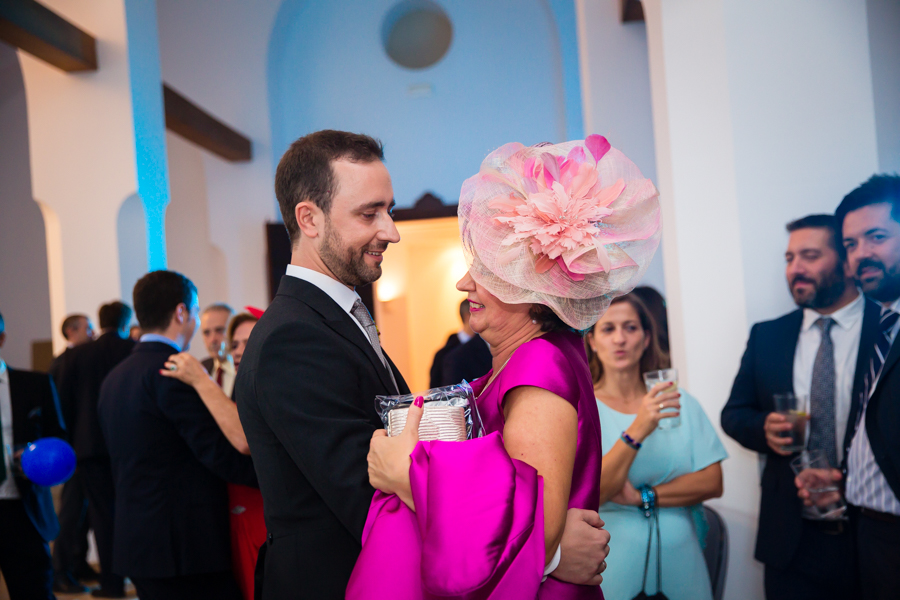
column 174, row 367
column 660, row 406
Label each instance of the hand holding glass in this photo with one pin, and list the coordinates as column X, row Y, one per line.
column 651, row 378
column 819, row 479
column 796, row 412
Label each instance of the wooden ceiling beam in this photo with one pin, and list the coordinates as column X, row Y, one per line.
column 198, row 126
column 632, row 10
column 34, row 28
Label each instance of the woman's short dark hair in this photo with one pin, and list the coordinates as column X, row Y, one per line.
column 652, row 358
column 157, row 295
column 546, row 318
column 305, row 171
column 238, row 320
column 115, row 315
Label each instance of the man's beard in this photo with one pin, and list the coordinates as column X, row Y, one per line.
column 347, row 264
column 887, row 289
column 827, row 291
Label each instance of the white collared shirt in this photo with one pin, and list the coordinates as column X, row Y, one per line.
column 845, row 334
column 337, row 291
column 866, row 484
column 228, row 374
column 463, row 337
column 155, row 337
column 8, row 489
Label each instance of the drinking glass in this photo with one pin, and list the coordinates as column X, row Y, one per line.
column 651, row 378
column 812, row 469
column 795, row 409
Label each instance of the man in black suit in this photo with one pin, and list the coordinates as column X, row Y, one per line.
column 170, row 461
column 819, row 351
column 468, row 361
column 80, row 389
column 313, row 366
column 436, row 375
column 869, row 217
column 29, row 410
column 71, row 546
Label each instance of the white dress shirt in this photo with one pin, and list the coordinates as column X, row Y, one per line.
column 8, row 489
column 229, row 373
column 845, row 334
column 337, row 291
column 866, row 485
column 155, row 337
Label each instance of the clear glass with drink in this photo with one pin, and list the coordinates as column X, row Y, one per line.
column 795, row 410
column 815, row 474
column 651, row 378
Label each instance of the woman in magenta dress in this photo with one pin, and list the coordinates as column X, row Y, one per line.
column 551, row 235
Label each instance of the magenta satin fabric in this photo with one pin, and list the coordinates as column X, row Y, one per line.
column 478, row 529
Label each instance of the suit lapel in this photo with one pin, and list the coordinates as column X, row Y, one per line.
column 783, row 355
column 336, row 319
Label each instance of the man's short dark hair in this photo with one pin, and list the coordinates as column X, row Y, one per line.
column 157, row 295
column 115, row 315
column 464, row 310
column 828, row 222
column 305, row 171
column 71, row 322
column 878, row 189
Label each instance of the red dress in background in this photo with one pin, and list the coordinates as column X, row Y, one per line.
column 248, row 533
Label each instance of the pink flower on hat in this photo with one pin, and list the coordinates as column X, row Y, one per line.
column 558, row 206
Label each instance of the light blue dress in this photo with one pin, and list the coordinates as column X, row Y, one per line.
column 665, row 455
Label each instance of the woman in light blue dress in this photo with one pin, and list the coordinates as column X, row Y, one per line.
column 681, row 465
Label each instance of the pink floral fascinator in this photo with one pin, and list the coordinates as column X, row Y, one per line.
column 570, row 226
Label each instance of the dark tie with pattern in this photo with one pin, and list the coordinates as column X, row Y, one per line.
column 821, row 396
column 362, row 315
column 3, row 374
column 882, row 347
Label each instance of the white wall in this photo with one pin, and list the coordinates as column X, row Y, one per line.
column 884, row 46
column 215, row 54
column 500, row 81
column 24, row 286
column 615, row 80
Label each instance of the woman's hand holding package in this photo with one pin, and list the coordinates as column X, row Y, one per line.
column 650, row 413
column 389, row 457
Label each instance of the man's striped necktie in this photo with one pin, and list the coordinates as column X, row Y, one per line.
column 876, row 363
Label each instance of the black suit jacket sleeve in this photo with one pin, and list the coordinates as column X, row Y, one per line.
column 184, row 408
column 743, row 418
column 310, row 399
column 53, row 422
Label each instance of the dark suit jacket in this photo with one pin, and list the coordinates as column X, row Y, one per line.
column 170, row 462
column 767, row 368
column 208, row 363
column 36, row 414
column 468, row 361
column 883, row 419
column 306, row 396
column 82, row 376
column 436, row 376
column 58, row 368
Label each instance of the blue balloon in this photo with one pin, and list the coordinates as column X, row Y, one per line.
column 48, row 461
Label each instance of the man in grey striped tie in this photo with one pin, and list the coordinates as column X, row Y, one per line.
column 870, row 222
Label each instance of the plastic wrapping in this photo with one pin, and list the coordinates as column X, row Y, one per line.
column 450, row 413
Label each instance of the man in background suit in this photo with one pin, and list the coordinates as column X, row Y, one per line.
column 71, row 547
column 213, row 325
column 819, row 351
column 29, row 410
column 170, row 460
column 80, row 388
column 468, row 361
column 313, row 366
column 869, row 218
column 436, row 376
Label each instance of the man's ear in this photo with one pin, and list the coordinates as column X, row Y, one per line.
column 2, row 339
column 181, row 313
column 309, row 217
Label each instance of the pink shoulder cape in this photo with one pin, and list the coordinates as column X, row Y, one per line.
column 477, row 532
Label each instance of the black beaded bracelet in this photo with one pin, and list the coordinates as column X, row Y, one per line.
column 630, row 441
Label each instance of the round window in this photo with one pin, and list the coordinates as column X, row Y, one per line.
column 416, row 33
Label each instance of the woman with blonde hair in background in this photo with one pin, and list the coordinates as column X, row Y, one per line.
column 649, row 470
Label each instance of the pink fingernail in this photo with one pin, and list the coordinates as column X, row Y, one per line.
column 419, row 401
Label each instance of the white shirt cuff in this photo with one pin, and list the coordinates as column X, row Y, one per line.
column 553, row 563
